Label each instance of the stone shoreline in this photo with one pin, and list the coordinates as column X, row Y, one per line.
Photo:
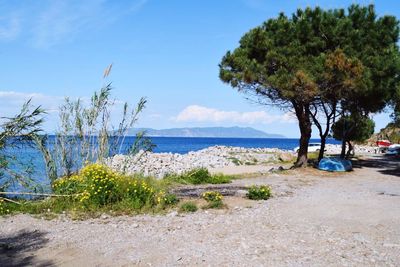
column 161, row 164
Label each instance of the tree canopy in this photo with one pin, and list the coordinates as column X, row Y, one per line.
column 353, row 128
column 347, row 59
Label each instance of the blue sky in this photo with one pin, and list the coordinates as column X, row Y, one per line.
column 167, row 51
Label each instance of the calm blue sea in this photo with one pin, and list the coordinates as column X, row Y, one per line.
column 29, row 156
column 183, row 145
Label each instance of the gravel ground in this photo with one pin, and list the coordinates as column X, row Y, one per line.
column 315, row 219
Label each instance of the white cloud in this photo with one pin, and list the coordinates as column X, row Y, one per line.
column 50, row 22
column 61, row 21
column 289, row 117
column 196, row 113
column 11, row 101
column 22, row 97
column 9, row 27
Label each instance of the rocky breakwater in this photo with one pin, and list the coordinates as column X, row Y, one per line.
column 160, row 164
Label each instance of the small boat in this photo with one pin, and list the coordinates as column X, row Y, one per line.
column 383, row 143
column 393, row 150
column 335, row 165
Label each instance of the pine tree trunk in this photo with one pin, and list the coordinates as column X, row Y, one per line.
column 303, row 116
column 343, row 153
column 323, row 134
column 350, row 151
column 322, row 149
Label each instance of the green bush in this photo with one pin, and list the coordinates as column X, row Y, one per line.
column 3, row 207
column 97, row 189
column 219, row 178
column 188, row 207
column 199, row 176
column 214, row 200
column 171, row 199
column 259, row 192
column 212, row 196
column 97, row 186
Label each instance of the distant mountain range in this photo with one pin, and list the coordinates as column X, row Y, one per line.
column 238, row 132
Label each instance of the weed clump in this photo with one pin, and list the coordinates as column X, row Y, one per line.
column 3, row 209
column 262, row 192
column 214, row 200
column 188, row 207
column 199, row 176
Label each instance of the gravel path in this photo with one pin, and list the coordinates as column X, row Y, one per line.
column 316, row 219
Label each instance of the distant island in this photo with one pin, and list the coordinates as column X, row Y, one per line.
column 236, row 132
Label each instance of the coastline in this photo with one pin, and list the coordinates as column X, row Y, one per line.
column 224, row 159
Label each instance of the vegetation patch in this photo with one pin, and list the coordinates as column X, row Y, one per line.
column 198, row 176
column 3, row 208
column 214, row 200
column 189, row 206
column 262, row 192
column 97, row 189
column 235, row 161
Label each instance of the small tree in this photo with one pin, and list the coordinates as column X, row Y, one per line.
column 354, row 127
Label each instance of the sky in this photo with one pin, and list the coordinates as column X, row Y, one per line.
column 166, row 51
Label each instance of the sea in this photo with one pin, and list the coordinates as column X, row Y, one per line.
column 29, row 156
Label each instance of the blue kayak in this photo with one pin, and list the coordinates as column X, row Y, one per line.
column 335, row 165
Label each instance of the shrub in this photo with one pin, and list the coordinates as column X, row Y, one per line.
column 171, row 199
column 212, row 196
column 219, row 179
column 199, row 176
column 3, row 208
column 97, row 189
column 259, row 192
column 214, row 200
column 96, row 186
column 188, row 207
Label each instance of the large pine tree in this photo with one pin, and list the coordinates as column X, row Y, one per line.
column 345, row 58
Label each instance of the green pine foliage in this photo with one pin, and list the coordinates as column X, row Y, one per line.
column 353, row 128
column 318, row 61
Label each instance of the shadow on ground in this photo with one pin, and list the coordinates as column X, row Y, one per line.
column 19, row 249
column 386, row 165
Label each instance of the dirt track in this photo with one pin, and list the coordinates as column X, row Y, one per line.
column 316, row 219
